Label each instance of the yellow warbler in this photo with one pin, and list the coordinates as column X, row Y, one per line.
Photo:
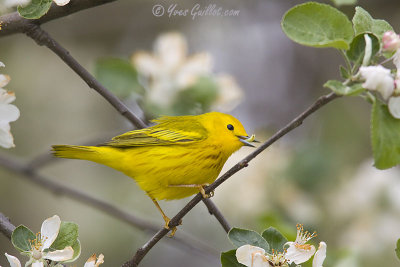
column 173, row 159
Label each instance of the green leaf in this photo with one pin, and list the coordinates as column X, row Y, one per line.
column 339, row 88
column 240, row 237
column 35, row 9
column 67, row 236
column 344, row 2
column 363, row 22
column 21, row 238
column 318, row 25
column 344, row 72
column 398, row 248
column 385, row 137
column 228, row 259
column 77, row 251
column 275, row 239
column 357, row 48
column 118, row 75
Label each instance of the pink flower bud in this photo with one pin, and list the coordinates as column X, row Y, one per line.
column 390, row 41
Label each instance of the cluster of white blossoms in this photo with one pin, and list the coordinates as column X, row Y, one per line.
column 169, row 70
column 39, row 248
column 8, row 112
column 380, row 79
column 298, row 252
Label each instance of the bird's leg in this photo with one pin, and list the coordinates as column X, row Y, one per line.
column 199, row 186
column 166, row 219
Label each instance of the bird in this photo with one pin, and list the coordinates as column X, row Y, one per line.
column 175, row 158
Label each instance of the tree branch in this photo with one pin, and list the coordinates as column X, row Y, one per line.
column 213, row 210
column 185, row 242
column 14, row 23
column 6, row 227
column 141, row 252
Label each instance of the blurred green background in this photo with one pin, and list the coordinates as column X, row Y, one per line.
column 321, row 174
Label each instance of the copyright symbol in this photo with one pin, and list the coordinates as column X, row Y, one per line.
column 158, row 10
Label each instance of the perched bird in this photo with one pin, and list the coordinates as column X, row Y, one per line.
column 175, row 158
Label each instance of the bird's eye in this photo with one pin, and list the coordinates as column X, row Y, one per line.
column 230, row 127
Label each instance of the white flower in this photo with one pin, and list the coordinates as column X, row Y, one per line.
column 251, row 256
column 378, row 78
column 92, row 262
column 298, row 251
column 8, row 112
column 169, row 69
column 14, row 261
column 320, row 255
column 390, row 41
column 394, row 106
column 396, row 59
column 44, row 239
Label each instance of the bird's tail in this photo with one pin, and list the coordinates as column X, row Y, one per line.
column 75, row 152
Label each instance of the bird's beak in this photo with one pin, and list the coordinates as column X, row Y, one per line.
column 246, row 140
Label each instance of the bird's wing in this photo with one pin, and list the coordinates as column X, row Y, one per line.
column 169, row 131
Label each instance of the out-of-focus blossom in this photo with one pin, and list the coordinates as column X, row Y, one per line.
column 320, row 255
column 94, row 262
column 14, row 261
column 169, row 70
column 12, row 3
column 8, row 112
column 378, row 78
column 390, row 41
column 298, row 251
column 44, row 239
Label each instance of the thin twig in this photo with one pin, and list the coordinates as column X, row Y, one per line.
column 14, row 23
column 185, row 241
column 43, row 38
column 141, row 252
column 213, row 210
column 6, row 227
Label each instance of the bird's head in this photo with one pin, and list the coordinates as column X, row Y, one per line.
column 227, row 130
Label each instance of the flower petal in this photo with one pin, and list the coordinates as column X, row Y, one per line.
column 171, row 48
column 146, row 64
column 49, row 230
column 61, row 2
column 37, row 264
column 6, row 138
column 297, row 254
column 14, row 262
column 394, row 106
column 320, row 255
column 8, row 113
column 6, row 97
column 194, row 67
column 60, row 255
column 229, row 94
column 378, row 78
column 2, row 64
column 251, row 256
column 91, row 262
column 4, row 80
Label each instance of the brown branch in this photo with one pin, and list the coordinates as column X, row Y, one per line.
column 213, row 210
column 14, row 23
column 6, row 227
column 185, row 241
column 141, row 252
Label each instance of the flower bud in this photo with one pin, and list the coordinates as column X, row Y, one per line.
column 390, row 41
